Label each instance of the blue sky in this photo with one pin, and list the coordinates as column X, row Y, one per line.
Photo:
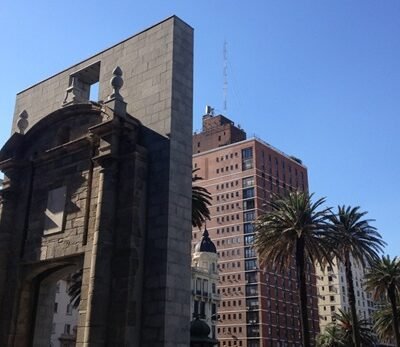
column 317, row 79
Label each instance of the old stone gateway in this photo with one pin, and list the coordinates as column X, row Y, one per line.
column 103, row 188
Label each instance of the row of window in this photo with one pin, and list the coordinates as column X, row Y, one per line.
column 227, row 156
column 233, row 277
column 229, row 253
column 227, row 207
column 228, row 218
column 227, row 168
column 229, row 241
column 230, row 303
column 227, row 195
column 228, row 229
column 227, row 185
column 248, row 216
column 229, row 290
column 229, row 330
column 229, row 265
column 230, row 316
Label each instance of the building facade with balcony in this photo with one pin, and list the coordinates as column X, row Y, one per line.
column 258, row 307
column 205, row 297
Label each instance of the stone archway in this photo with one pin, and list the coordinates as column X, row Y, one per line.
column 36, row 304
column 44, row 309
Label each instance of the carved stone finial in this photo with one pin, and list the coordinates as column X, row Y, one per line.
column 116, row 83
column 23, row 123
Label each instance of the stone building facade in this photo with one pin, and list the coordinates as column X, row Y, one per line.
column 103, row 187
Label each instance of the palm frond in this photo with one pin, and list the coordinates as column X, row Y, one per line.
column 201, row 199
column 355, row 235
column 291, row 218
column 74, row 289
column 383, row 322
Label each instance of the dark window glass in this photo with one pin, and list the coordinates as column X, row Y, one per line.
column 248, row 193
column 248, row 204
column 250, row 264
column 248, row 228
column 249, row 216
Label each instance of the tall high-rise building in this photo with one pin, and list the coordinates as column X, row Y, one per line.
column 259, row 306
column 333, row 295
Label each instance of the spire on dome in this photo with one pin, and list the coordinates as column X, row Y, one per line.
column 205, row 244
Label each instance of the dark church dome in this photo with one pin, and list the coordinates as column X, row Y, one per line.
column 205, row 244
column 199, row 328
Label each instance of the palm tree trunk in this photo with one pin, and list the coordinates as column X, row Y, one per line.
column 352, row 300
column 301, row 279
column 392, row 298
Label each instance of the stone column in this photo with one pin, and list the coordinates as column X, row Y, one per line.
column 96, row 280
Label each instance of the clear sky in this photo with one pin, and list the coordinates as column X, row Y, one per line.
column 317, row 79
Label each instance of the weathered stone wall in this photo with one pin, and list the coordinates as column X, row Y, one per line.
column 132, row 233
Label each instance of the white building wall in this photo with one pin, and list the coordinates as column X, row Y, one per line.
column 64, row 319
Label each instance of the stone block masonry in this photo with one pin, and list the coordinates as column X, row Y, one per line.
column 127, row 174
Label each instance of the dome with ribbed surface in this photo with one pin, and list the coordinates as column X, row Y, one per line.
column 205, row 244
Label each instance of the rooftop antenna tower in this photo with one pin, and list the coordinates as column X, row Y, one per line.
column 225, row 88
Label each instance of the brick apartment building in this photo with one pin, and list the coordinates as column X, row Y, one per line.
column 258, row 306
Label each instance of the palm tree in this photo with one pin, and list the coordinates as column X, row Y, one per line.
column 354, row 238
column 74, row 290
column 294, row 229
column 383, row 321
column 201, row 199
column 331, row 337
column 383, row 279
column 340, row 333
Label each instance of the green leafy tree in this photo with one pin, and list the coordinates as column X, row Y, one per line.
column 354, row 238
column 294, row 230
column 383, row 280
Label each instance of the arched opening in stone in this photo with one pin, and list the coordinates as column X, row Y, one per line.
column 55, row 317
